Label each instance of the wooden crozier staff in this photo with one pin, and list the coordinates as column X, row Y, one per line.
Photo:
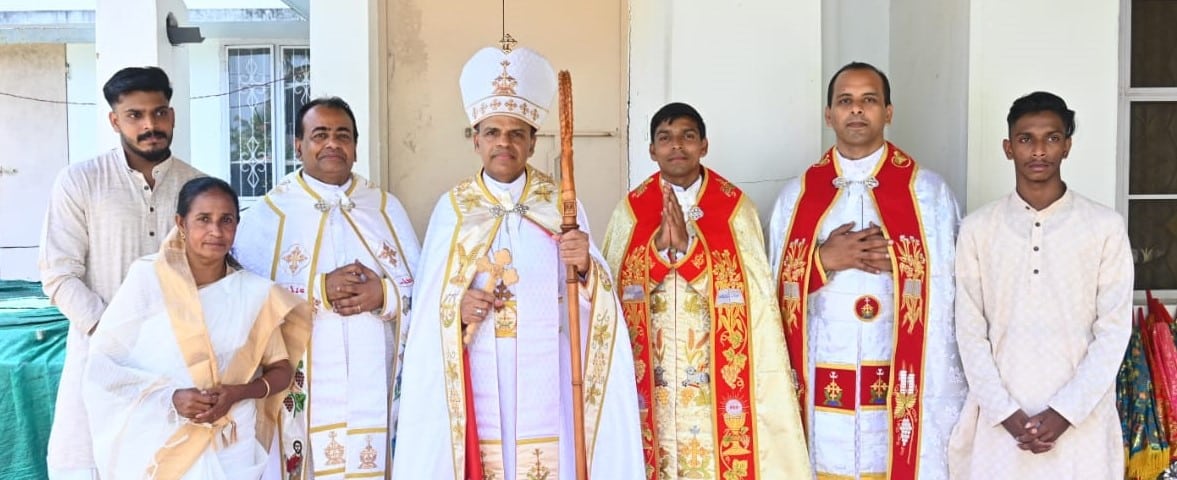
column 571, row 278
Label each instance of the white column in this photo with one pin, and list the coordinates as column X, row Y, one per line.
column 852, row 31
column 929, row 63
column 136, row 36
column 348, row 61
column 1017, row 47
column 752, row 69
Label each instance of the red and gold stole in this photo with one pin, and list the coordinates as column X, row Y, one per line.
column 799, row 276
column 714, row 252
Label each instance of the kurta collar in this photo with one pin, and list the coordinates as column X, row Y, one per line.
column 158, row 171
column 1015, row 203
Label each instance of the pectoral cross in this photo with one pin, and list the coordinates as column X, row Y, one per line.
column 497, row 271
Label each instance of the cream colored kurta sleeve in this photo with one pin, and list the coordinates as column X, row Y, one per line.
column 1096, row 373
column 972, row 331
column 64, row 250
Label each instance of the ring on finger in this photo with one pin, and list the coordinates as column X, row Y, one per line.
column 479, row 311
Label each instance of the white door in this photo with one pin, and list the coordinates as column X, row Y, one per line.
column 34, row 140
column 429, row 151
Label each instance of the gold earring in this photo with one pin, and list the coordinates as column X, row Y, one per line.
column 182, row 236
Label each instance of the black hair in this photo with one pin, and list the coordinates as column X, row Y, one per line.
column 859, row 66
column 326, row 102
column 197, row 186
column 1042, row 102
column 674, row 111
column 136, row 79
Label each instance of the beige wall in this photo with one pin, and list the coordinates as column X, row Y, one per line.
column 751, row 68
column 33, row 138
column 1018, row 47
column 431, row 41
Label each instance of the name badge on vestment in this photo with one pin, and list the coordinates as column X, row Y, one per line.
column 729, row 296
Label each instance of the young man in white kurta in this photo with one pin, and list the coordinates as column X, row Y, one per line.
column 317, row 223
column 852, row 323
column 494, row 264
column 1043, row 312
column 104, row 214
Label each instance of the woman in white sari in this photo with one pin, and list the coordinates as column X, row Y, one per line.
column 190, row 364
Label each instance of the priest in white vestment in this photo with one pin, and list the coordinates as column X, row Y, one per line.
column 487, row 384
column 862, row 246
column 346, row 246
column 1044, row 314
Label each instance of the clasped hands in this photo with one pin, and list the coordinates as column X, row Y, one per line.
column 476, row 304
column 354, row 288
column 207, row 406
column 672, row 232
column 866, row 250
column 1036, row 434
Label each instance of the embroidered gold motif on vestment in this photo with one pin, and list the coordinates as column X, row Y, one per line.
column 641, row 189
column 388, row 254
column 488, row 472
column 727, row 188
column 544, row 192
column 294, row 258
column 731, row 318
column 912, row 262
column 334, row 451
column 538, row 470
column 878, row 390
column 368, row 456
column 792, row 269
column 833, row 392
column 866, row 308
column 694, row 458
column 906, row 409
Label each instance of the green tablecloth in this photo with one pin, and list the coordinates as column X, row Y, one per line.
column 32, row 352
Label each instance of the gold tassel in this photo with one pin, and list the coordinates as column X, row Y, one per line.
column 1147, row 464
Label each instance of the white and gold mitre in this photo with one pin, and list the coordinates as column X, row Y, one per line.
column 521, row 84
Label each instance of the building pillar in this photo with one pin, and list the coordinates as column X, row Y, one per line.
column 137, row 37
column 349, row 60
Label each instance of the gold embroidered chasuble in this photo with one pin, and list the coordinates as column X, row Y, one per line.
column 127, row 386
column 341, row 414
column 711, row 366
column 519, row 373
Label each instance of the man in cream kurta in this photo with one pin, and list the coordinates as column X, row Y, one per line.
column 709, row 350
column 104, row 214
column 347, row 246
column 494, row 264
column 862, row 246
column 1043, row 312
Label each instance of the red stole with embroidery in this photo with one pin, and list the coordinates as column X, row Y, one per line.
column 714, row 252
column 798, row 277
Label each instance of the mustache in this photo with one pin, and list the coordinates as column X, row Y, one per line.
column 154, row 133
